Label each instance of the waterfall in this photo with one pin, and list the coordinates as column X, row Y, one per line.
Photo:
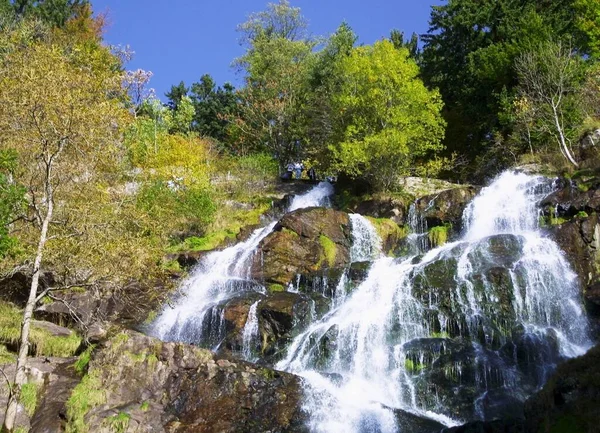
column 366, row 243
column 250, row 332
column 464, row 331
column 195, row 315
column 317, row 196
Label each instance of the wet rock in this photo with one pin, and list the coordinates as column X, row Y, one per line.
column 570, row 400
column 579, row 239
column 176, row 388
column 279, row 315
column 446, row 207
column 410, row 422
column 306, row 242
column 393, row 209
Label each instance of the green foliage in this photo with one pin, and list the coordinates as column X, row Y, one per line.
column 390, row 123
column 119, row 423
column 6, row 357
column 12, row 200
column 42, row 342
column 206, row 243
column 29, row 397
column 213, row 107
column 54, row 12
column 86, row 395
column 469, row 54
column 438, row 236
column 83, row 360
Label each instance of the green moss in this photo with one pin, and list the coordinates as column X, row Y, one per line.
column 83, row 360
column 21, row 429
column 206, row 243
column 266, row 373
column 290, row 232
column 43, row 343
column 151, row 317
column 276, row 288
column 144, row 406
column 414, row 367
column 387, row 228
column 86, row 395
column 438, row 236
column 440, row 335
column 29, row 392
column 329, row 250
column 582, row 214
column 119, row 423
column 171, row 266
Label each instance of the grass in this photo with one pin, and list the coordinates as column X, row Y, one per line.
column 6, row 357
column 438, row 236
column 28, row 398
column 83, row 360
column 85, row 396
column 43, row 343
column 120, row 422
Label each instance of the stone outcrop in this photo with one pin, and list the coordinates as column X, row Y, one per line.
column 144, row 385
column 309, row 241
column 446, row 207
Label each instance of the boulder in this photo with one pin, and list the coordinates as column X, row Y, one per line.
column 446, row 207
column 141, row 384
column 309, row 242
column 391, row 208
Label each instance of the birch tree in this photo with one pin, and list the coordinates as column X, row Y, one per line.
column 60, row 114
column 549, row 82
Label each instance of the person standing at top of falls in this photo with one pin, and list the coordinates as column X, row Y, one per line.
column 298, row 168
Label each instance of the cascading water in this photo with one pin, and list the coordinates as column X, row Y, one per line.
column 466, row 331
column 196, row 316
column 366, row 243
column 250, row 332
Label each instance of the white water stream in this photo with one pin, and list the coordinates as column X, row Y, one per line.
column 367, row 342
column 420, row 332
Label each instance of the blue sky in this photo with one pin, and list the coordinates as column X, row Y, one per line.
column 184, row 39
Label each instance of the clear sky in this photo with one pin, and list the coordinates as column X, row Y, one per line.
column 184, row 39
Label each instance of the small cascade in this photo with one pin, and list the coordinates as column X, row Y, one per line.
column 366, row 243
column 465, row 332
column 250, row 333
column 196, row 314
column 318, row 196
column 417, row 237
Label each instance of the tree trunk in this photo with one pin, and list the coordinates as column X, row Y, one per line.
column 562, row 142
column 20, row 376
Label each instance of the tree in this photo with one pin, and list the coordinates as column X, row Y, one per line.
column 277, row 63
column 390, row 124
column 12, row 200
column 324, row 82
column 549, row 81
column 54, row 12
column 587, row 20
column 469, row 54
column 175, row 94
column 61, row 115
column 412, row 45
column 213, row 106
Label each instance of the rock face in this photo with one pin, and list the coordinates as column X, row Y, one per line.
column 569, row 402
column 144, row 385
column 446, row 207
column 308, row 242
column 577, row 232
column 54, row 379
